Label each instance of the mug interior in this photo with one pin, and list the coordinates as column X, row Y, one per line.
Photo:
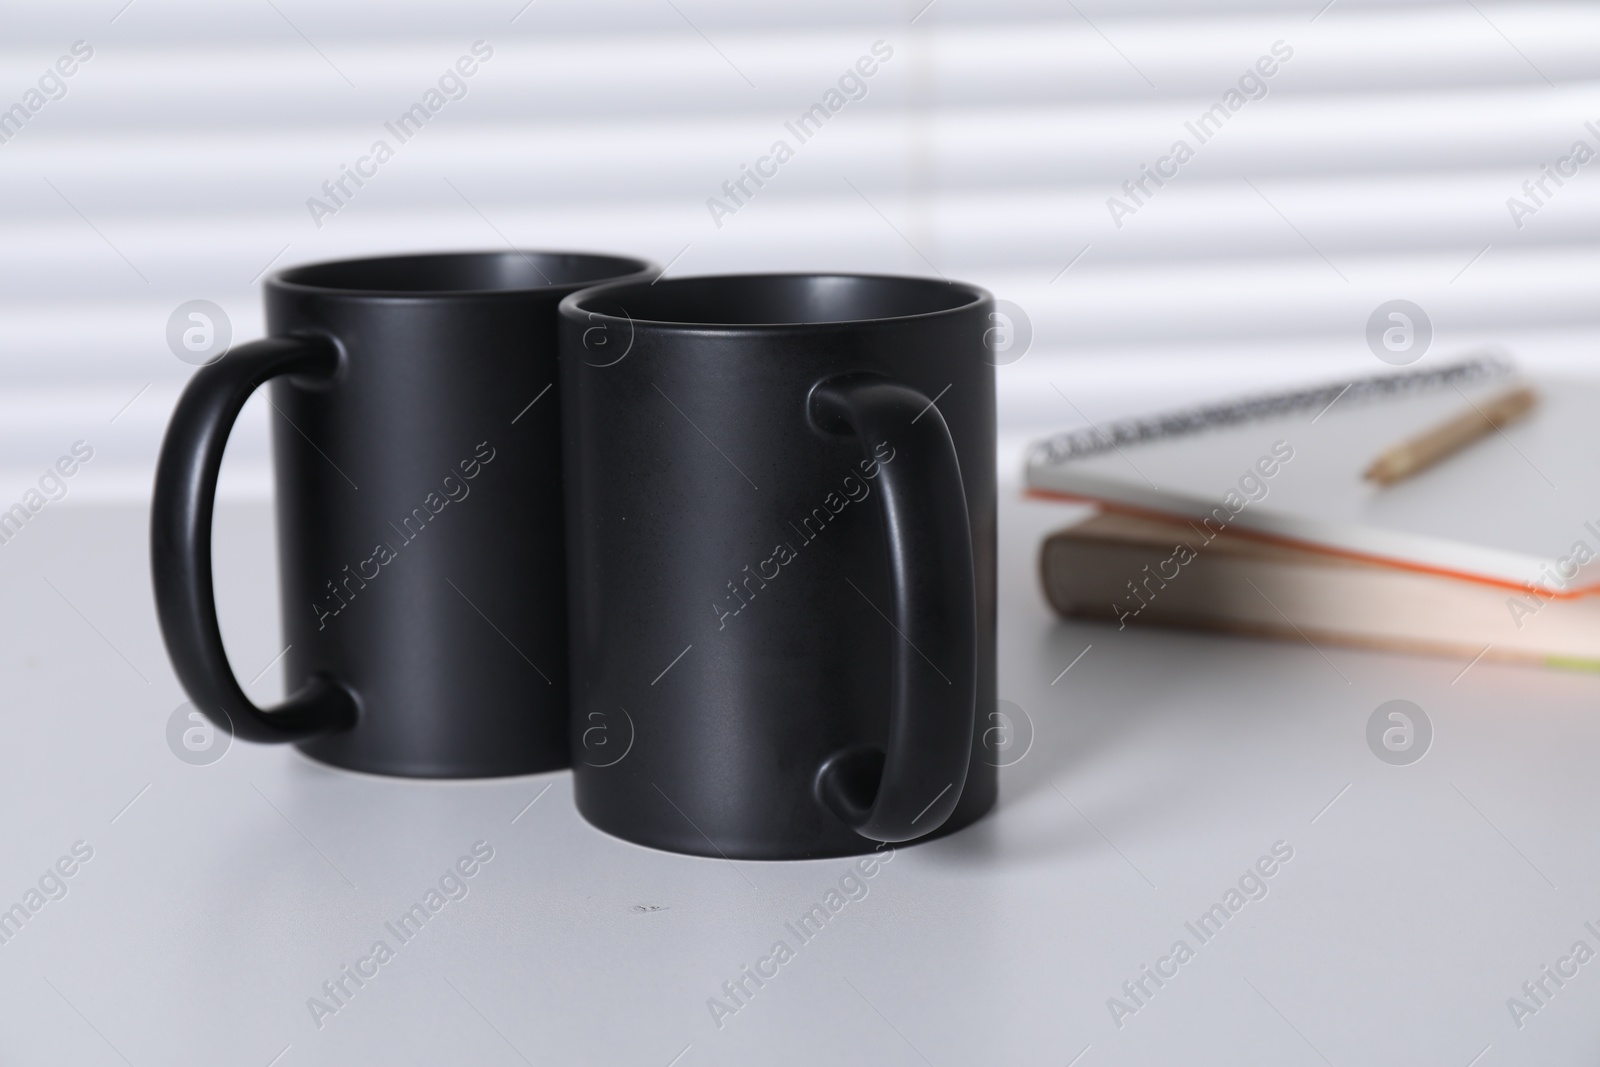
column 777, row 299
column 462, row 272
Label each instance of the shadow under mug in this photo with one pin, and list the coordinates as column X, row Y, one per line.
column 416, row 447
column 781, row 541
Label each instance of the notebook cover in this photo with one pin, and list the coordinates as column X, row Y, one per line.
column 1519, row 506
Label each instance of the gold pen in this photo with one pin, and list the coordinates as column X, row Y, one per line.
column 1449, row 437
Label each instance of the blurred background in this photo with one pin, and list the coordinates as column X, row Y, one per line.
column 1376, row 162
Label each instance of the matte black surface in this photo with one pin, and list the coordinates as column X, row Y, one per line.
column 420, row 535
column 764, row 504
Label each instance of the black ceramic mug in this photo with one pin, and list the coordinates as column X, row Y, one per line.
column 416, row 445
column 781, row 540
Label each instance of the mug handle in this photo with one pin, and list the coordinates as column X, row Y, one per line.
column 909, row 789
column 180, row 544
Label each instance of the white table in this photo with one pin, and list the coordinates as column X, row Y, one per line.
column 220, row 898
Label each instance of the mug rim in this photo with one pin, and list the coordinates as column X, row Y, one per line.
column 630, row 269
column 571, row 305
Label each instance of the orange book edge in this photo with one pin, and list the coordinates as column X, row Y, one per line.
column 1313, row 546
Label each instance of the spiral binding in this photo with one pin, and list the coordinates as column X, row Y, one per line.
column 1094, row 440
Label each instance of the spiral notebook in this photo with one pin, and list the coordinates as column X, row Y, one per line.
column 1520, row 506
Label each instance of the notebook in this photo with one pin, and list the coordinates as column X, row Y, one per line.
column 1135, row 571
column 1519, row 507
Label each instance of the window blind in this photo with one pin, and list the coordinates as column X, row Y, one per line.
column 1335, row 157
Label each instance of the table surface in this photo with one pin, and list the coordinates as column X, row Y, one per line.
column 1162, row 768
